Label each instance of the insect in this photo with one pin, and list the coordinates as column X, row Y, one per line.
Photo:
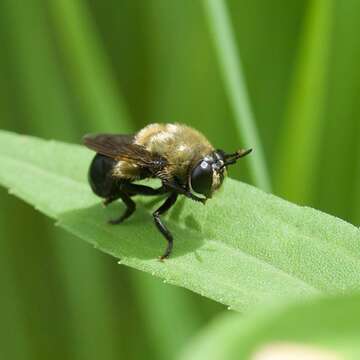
column 180, row 156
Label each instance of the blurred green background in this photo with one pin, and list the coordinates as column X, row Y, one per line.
column 68, row 67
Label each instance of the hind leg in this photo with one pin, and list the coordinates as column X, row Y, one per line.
column 124, row 192
column 110, row 200
column 130, row 207
column 107, row 187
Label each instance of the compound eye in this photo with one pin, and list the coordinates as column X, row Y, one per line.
column 201, row 178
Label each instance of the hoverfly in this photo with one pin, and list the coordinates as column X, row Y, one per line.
column 180, row 156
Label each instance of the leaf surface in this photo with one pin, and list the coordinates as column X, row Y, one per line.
column 244, row 248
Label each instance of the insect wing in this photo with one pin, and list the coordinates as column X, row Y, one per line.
column 93, row 140
column 121, row 147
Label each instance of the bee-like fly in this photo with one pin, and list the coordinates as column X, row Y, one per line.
column 181, row 157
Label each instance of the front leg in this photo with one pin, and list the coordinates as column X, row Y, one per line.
column 180, row 190
column 169, row 202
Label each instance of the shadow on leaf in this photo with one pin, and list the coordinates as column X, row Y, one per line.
column 136, row 238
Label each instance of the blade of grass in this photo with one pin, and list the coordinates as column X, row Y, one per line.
column 235, row 86
column 328, row 326
column 17, row 335
column 337, row 178
column 356, row 211
column 89, row 65
column 300, row 144
column 269, row 39
column 276, row 250
column 15, row 341
column 40, row 89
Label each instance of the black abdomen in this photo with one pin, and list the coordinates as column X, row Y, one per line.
column 100, row 176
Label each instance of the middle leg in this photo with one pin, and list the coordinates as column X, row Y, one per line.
column 130, row 208
column 124, row 192
column 137, row 189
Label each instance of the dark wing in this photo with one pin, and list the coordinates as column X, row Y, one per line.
column 114, row 138
column 121, row 147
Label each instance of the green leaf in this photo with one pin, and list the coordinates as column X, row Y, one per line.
column 326, row 325
column 244, row 248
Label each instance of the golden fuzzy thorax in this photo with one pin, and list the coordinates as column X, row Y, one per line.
column 181, row 145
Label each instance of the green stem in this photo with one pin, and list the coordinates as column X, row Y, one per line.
column 235, row 86
column 301, row 139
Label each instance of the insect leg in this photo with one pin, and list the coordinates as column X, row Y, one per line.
column 109, row 200
column 125, row 192
column 169, row 202
column 180, row 190
column 136, row 189
column 130, row 208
